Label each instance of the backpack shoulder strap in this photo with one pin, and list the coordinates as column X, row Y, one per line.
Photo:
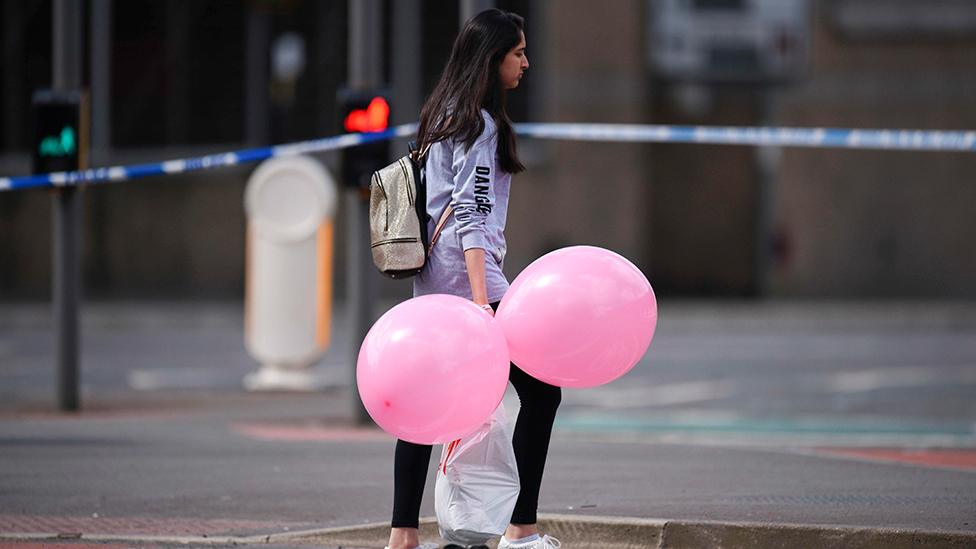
column 440, row 225
column 418, row 155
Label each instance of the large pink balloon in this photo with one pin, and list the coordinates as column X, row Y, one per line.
column 578, row 317
column 432, row 369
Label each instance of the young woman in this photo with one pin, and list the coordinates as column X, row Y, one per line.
column 470, row 163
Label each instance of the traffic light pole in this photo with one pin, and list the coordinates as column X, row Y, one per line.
column 365, row 33
column 65, row 202
column 470, row 8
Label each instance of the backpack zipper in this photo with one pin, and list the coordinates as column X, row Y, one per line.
column 394, row 241
column 379, row 185
column 406, row 176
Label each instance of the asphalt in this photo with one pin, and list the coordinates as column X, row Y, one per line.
column 169, row 451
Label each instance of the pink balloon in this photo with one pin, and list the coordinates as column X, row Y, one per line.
column 578, row 317
column 432, row 369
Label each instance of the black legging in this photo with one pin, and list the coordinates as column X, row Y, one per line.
column 530, row 439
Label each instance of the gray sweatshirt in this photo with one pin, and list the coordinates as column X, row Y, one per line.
column 471, row 181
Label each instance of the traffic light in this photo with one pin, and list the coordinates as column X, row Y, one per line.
column 60, row 131
column 363, row 112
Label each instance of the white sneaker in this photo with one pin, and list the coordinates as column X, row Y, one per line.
column 545, row 542
column 422, row 546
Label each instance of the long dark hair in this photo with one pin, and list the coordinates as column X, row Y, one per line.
column 470, row 82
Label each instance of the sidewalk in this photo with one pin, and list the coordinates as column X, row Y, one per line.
column 239, row 467
column 202, row 462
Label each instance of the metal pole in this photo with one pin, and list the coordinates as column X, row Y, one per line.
column 365, row 32
column 101, row 81
column 470, row 8
column 256, row 81
column 65, row 202
column 407, row 69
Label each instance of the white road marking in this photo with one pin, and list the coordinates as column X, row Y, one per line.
column 640, row 396
column 644, row 395
column 860, row 381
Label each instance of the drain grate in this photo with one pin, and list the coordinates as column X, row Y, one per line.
column 852, row 499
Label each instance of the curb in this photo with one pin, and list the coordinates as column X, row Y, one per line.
column 592, row 532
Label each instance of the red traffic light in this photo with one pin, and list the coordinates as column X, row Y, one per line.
column 374, row 118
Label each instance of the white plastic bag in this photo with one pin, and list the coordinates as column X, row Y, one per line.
column 477, row 484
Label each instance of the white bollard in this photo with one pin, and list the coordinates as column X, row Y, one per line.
column 290, row 204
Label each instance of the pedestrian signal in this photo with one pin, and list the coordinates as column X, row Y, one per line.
column 363, row 112
column 59, row 131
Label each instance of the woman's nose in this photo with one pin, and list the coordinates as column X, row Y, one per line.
column 525, row 63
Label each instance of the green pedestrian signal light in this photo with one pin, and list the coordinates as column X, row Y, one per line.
column 61, row 145
column 59, row 140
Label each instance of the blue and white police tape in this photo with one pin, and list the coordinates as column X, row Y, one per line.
column 916, row 140
column 123, row 173
column 911, row 140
